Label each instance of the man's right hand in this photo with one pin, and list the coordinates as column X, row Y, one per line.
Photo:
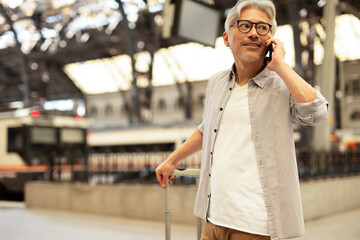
column 165, row 169
column 163, row 173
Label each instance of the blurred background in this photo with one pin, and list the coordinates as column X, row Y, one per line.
column 99, row 92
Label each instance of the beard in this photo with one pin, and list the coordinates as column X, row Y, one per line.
column 248, row 57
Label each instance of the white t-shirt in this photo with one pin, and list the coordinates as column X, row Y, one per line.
column 236, row 194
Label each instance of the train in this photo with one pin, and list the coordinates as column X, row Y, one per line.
column 133, row 153
column 48, row 146
column 34, row 142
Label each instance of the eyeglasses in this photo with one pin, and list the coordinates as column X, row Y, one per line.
column 245, row 26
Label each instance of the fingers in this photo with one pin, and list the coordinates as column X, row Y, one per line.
column 159, row 177
column 164, row 178
column 269, row 41
column 163, row 173
column 165, row 181
column 274, row 41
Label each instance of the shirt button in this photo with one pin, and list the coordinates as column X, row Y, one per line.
column 230, row 89
column 209, row 195
column 221, row 109
column 215, row 130
column 209, row 174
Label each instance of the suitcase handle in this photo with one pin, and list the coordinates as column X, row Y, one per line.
column 186, row 172
column 180, row 172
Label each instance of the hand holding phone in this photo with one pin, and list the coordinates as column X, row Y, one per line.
column 275, row 55
column 268, row 56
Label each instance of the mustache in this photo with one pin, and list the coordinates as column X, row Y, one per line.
column 251, row 42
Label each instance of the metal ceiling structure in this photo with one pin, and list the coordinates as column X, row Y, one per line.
column 63, row 32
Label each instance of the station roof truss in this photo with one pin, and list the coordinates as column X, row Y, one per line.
column 38, row 38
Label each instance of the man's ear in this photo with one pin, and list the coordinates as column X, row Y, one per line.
column 226, row 39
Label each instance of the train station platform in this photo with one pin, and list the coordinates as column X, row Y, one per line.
column 320, row 198
column 20, row 223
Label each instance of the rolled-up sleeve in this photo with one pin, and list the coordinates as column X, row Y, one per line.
column 311, row 113
column 201, row 127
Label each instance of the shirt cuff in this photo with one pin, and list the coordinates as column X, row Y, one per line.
column 305, row 109
column 201, row 127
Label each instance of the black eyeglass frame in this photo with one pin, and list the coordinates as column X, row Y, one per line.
column 252, row 24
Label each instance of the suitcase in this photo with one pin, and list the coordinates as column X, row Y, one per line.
column 177, row 172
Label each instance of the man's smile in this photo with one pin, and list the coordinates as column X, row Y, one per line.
column 254, row 45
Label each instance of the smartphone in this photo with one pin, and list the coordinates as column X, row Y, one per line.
column 269, row 52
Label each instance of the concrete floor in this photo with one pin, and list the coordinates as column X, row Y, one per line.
column 19, row 223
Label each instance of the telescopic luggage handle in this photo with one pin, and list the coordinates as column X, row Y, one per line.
column 180, row 172
column 186, row 172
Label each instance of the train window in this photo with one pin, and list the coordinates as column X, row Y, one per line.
column 15, row 139
column 162, row 105
column 356, row 87
column 109, row 111
column 355, row 115
column 43, row 135
column 352, row 87
column 159, row 147
column 69, row 135
column 179, row 104
column 93, row 112
column 125, row 109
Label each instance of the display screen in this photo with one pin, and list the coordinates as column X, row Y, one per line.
column 197, row 22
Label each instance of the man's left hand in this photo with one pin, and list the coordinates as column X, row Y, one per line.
column 278, row 56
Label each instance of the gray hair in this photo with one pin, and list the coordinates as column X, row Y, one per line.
column 266, row 5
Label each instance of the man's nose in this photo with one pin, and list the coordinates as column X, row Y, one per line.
column 253, row 33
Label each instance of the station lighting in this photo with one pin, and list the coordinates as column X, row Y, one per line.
column 195, row 62
column 187, row 62
column 13, row 3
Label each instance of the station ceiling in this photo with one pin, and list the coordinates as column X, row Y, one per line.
column 57, row 33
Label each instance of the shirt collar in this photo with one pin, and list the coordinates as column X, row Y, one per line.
column 262, row 78
column 259, row 79
column 232, row 72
